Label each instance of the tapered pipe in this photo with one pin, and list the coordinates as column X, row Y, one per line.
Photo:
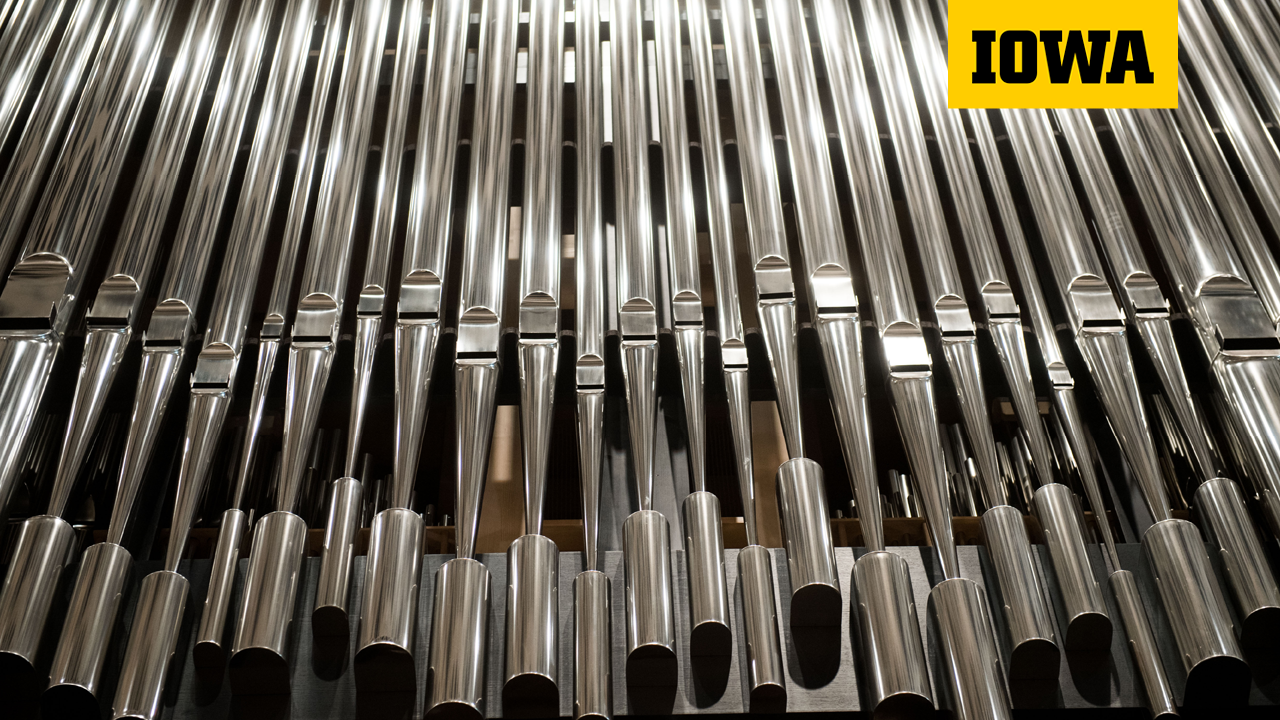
column 811, row 558
column 592, row 643
column 76, row 674
column 161, row 599
column 1213, row 665
column 651, row 623
column 974, row 680
column 532, row 663
column 384, row 661
column 1086, row 621
column 459, row 647
column 895, row 676
column 260, row 646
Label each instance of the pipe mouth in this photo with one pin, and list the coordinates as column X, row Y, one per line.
column 816, row 605
column 904, row 706
column 454, row 710
column 1088, row 632
column 1218, row 681
column 1035, row 659
column 385, row 667
column 209, row 654
column 530, row 695
column 652, row 664
column 769, row 697
column 69, row 702
column 1261, row 629
column 711, row 638
column 259, row 671
column 331, row 622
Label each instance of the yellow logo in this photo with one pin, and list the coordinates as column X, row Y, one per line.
column 1073, row 54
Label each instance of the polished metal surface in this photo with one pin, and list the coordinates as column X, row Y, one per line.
column 1212, row 662
column 770, row 260
column 811, row 560
column 1087, row 625
column 460, row 630
column 75, row 677
column 384, row 660
column 1142, row 646
column 210, row 648
column 259, row 660
column 44, row 551
column 531, row 676
column 826, row 258
column 59, row 96
column 161, row 599
column 766, row 674
column 25, row 36
column 334, row 585
column 708, row 591
column 1220, row 506
column 973, row 683
column 651, row 623
column 1033, row 646
column 891, row 653
column 592, row 677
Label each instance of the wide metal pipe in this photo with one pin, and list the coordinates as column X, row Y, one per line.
column 1221, row 508
column 45, row 549
column 1033, row 650
column 459, row 641
column 259, row 648
column 1088, row 627
column 384, row 660
column 161, row 599
column 651, row 622
column 811, row 557
column 1202, row 629
column 895, row 676
column 974, row 686
column 76, row 674
column 533, row 611
column 708, row 592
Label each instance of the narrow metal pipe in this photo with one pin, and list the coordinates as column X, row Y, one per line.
column 154, row 633
column 460, row 619
column 39, row 301
column 264, row 618
column 532, row 672
column 22, row 182
column 330, row 613
column 592, row 625
column 770, row 260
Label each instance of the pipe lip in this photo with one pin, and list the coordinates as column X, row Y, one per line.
column 69, row 700
column 904, row 705
column 1218, row 681
column 454, row 710
column 531, row 695
column 384, row 667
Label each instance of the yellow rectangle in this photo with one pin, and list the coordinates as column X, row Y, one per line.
column 1088, row 54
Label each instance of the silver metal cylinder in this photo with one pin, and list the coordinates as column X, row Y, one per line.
column 77, row 665
column 46, row 545
column 1088, row 627
column 334, row 586
column 1225, row 520
column 1202, row 628
column 592, row 643
column 1142, row 646
column 1033, row 648
column 708, row 591
column 154, row 637
column 459, row 641
column 389, row 611
column 765, row 671
column 975, row 682
column 891, row 652
column 259, row 649
column 210, row 646
column 531, row 678
column 811, row 557
column 651, row 622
